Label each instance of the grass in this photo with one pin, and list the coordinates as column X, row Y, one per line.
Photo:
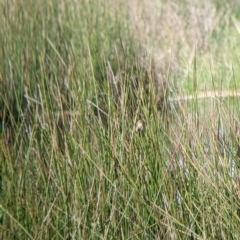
column 76, row 78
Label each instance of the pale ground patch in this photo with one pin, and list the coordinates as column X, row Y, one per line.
column 207, row 94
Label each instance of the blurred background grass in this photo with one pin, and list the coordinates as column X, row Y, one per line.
column 76, row 76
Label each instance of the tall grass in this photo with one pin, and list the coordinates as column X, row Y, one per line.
column 76, row 79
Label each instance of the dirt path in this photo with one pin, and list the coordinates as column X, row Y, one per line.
column 207, row 94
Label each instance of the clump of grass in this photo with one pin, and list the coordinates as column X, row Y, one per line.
column 77, row 79
column 134, row 91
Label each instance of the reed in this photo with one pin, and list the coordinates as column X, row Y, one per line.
column 117, row 119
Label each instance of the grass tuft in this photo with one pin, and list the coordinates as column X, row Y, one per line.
column 119, row 120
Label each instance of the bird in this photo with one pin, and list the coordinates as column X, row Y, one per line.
column 139, row 126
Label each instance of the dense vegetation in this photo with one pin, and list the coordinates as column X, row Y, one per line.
column 97, row 141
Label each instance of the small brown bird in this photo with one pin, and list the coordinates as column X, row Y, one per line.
column 139, row 126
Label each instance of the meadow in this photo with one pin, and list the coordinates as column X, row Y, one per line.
column 119, row 119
